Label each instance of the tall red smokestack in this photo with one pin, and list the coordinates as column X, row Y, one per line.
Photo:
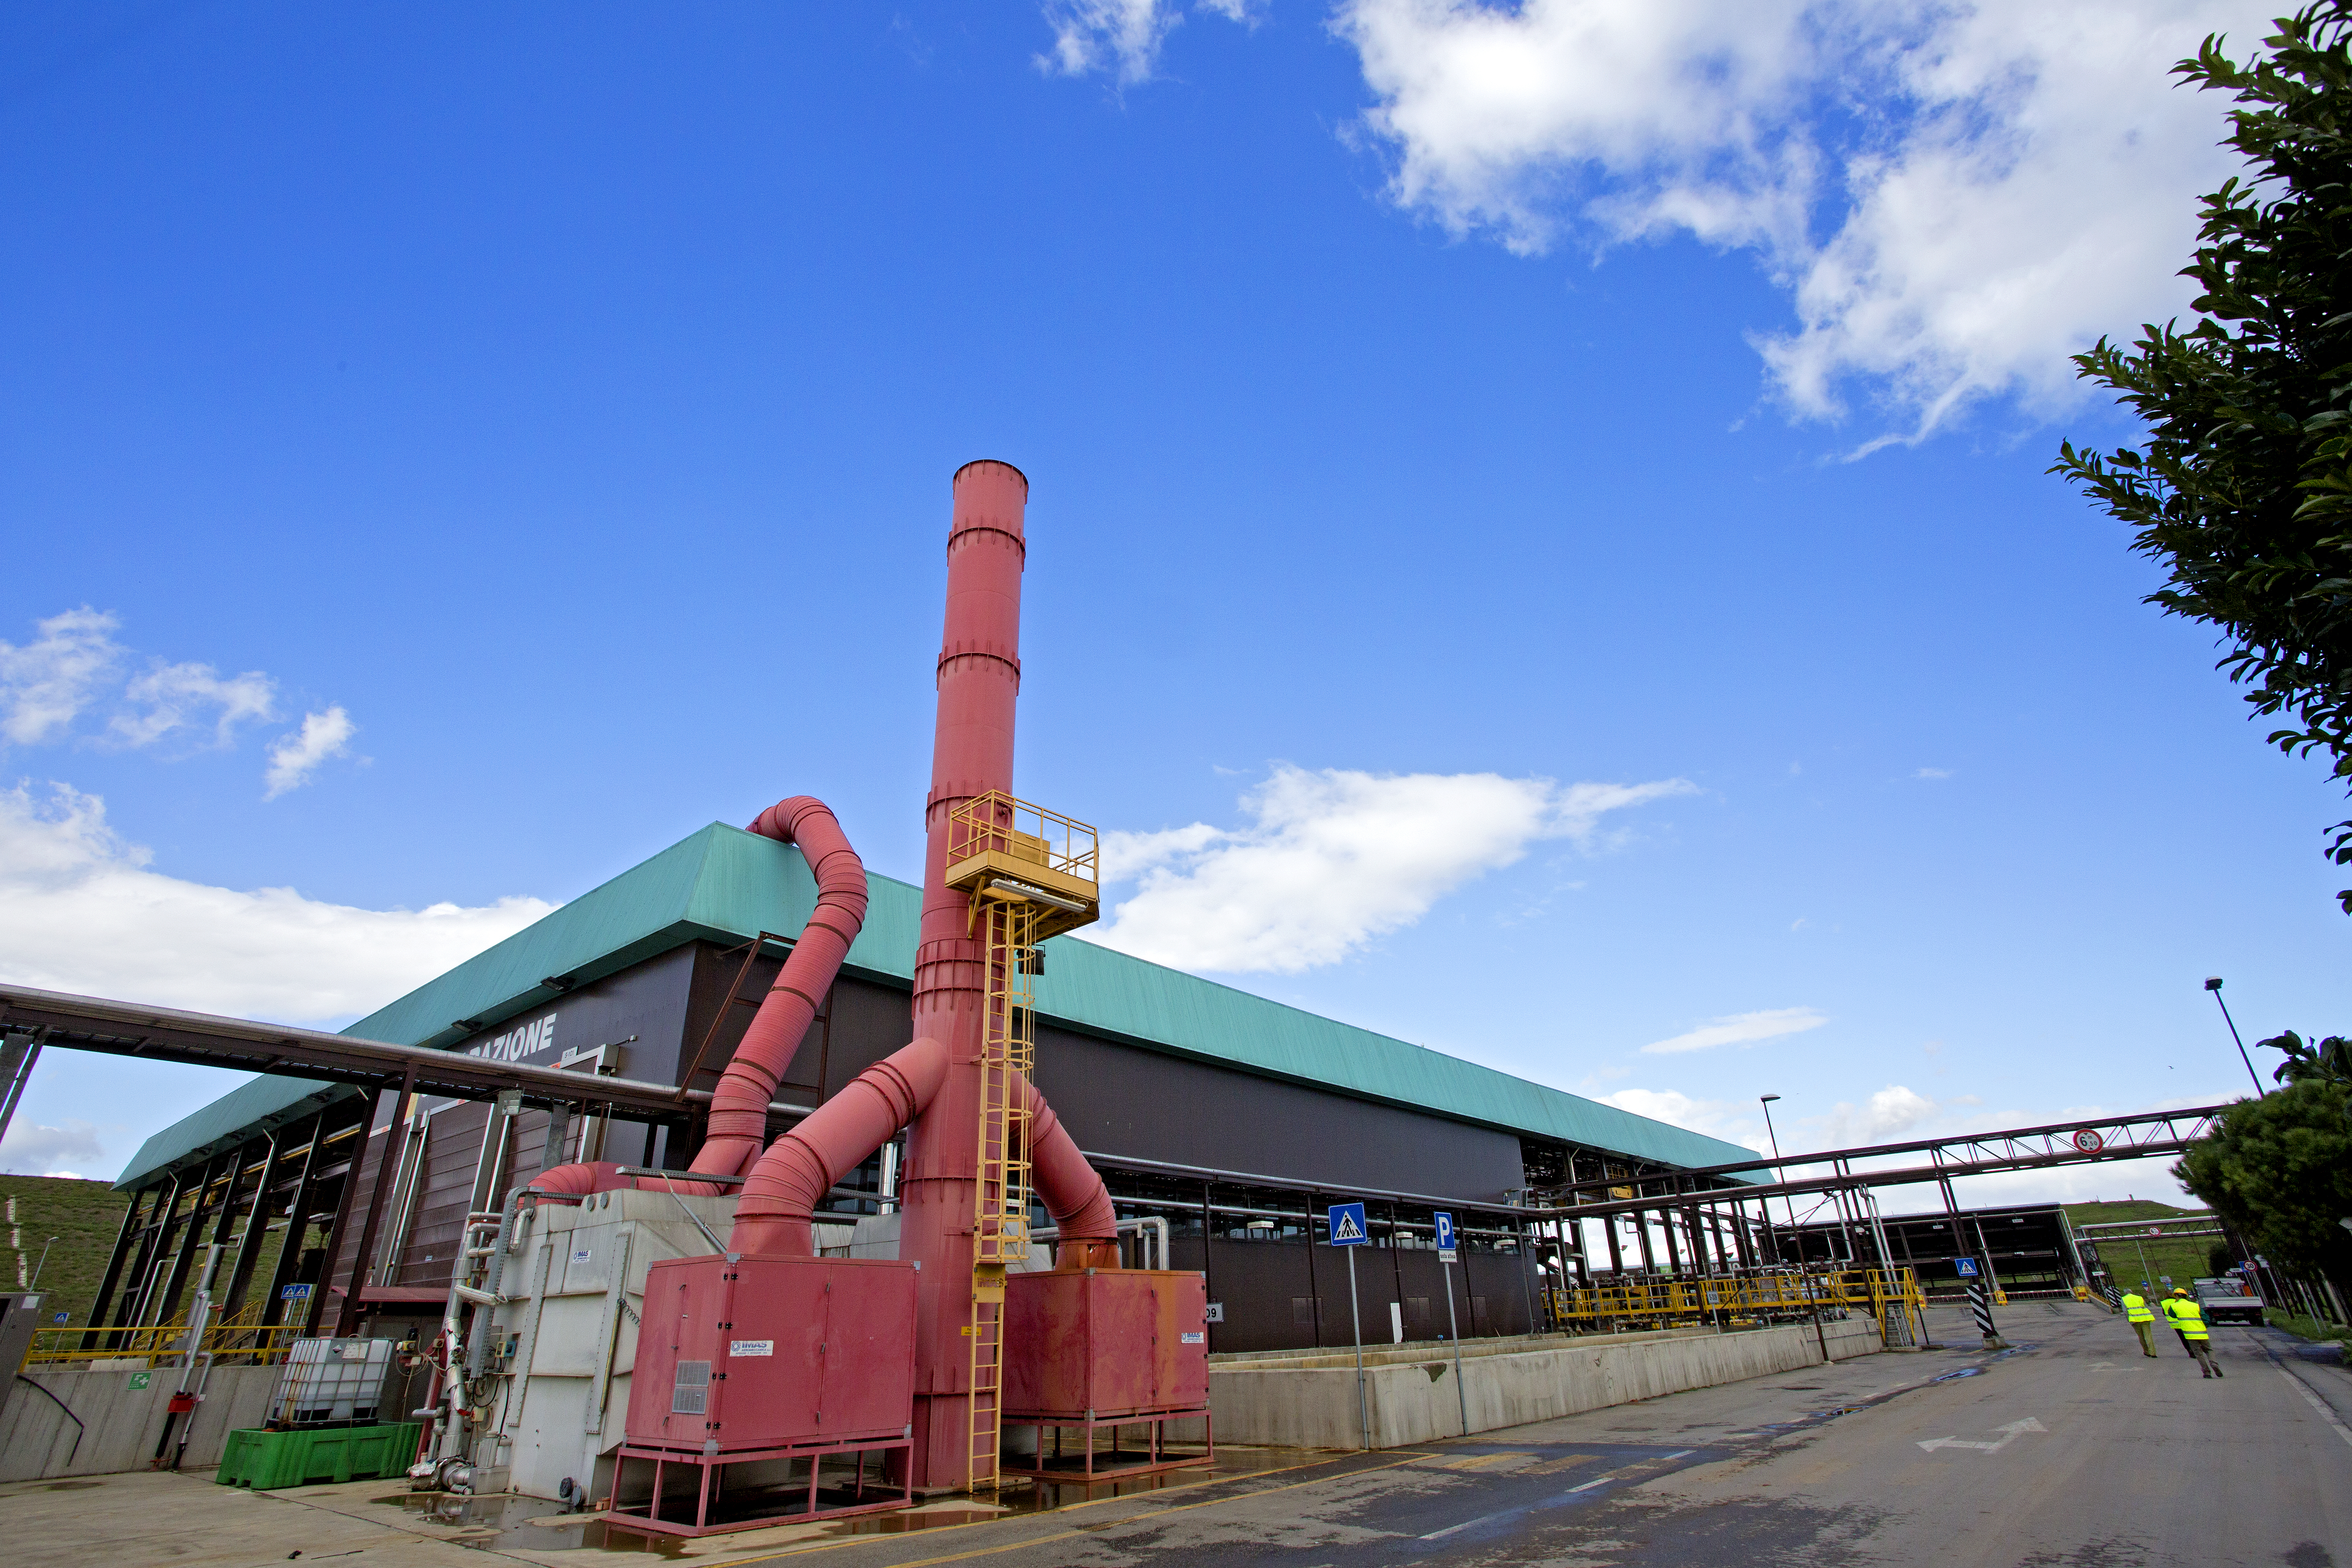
column 979, row 681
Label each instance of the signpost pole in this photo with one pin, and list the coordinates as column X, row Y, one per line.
column 1363, row 1403
column 1453, row 1325
column 1349, row 1230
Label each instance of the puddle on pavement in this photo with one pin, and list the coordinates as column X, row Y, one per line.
column 503, row 1522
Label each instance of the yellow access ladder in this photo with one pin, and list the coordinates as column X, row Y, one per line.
column 1030, row 873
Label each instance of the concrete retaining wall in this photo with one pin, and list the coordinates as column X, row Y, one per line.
column 120, row 1423
column 1310, row 1402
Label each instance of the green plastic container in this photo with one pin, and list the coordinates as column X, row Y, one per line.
column 265, row 1461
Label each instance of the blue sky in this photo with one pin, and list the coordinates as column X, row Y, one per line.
column 520, row 438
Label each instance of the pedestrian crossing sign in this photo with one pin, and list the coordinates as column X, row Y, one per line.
column 1348, row 1225
column 1967, row 1265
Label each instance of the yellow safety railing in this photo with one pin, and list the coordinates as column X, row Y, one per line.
column 244, row 1338
column 1664, row 1300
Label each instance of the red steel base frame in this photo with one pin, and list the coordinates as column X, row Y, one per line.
column 1155, row 1458
column 645, row 1519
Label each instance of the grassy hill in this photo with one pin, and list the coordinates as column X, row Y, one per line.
column 2183, row 1258
column 85, row 1217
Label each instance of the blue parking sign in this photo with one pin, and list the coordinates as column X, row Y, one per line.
column 1444, row 1231
column 1347, row 1228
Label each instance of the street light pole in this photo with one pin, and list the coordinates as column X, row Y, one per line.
column 1781, row 1170
column 2214, row 983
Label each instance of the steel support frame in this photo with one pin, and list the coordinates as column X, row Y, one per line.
column 709, row 1489
column 1156, row 1458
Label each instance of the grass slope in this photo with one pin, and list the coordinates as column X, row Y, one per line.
column 2183, row 1258
column 85, row 1217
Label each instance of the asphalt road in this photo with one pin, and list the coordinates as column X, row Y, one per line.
column 2071, row 1449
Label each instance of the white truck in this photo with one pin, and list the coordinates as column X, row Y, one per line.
column 2228, row 1299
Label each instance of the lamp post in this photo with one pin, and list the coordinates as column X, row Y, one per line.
column 1781, row 1170
column 2214, row 983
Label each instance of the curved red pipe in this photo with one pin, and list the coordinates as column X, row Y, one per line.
column 1075, row 1195
column 801, row 1167
column 739, row 1105
column 738, row 1128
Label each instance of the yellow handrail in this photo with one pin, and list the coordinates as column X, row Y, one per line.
column 1658, row 1301
column 242, row 1336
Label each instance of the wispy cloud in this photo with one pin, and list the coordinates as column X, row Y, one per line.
column 1333, row 859
column 1734, row 1121
column 82, row 910
column 76, row 681
column 1122, row 37
column 1740, row 1029
column 1933, row 773
column 296, row 756
column 185, row 696
column 34, row 1148
column 45, row 684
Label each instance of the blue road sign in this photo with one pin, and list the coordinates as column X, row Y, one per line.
column 1444, row 1231
column 1967, row 1265
column 295, row 1293
column 1347, row 1228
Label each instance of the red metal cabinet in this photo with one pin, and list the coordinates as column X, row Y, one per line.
column 1104, row 1344
column 771, row 1352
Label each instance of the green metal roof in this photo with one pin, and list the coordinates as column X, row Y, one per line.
column 255, row 1106
column 726, row 885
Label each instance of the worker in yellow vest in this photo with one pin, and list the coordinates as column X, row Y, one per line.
column 2188, row 1322
column 2143, row 1319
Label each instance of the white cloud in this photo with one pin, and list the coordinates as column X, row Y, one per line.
column 1335, row 859
column 1728, row 1120
column 70, row 670
column 1933, row 773
column 1122, row 35
column 295, row 757
column 1956, row 195
column 82, row 910
column 35, row 1150
column 45, row 684
column 176, row 696
column 1883, row 1118
column 1741, row 1029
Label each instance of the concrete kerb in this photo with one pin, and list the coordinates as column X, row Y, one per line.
column 1413, row 1400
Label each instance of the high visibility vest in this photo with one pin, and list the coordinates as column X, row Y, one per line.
column 2187, row 1317
column 2136, row 1307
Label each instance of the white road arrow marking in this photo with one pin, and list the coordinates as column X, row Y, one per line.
column 2008, row 1435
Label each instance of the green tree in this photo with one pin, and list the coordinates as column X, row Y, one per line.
column 2242, row 487
column 2329, row 1061
column 2279, row 1169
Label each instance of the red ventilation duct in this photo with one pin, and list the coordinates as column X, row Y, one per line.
column 738, row 1106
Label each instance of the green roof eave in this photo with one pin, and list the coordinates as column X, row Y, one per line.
column 244, row 1112
column 722, row 884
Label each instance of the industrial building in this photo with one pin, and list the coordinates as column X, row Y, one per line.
column 977, row 1176
column 1233, row 1118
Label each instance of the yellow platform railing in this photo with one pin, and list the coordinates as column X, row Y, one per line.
column 244, row 1339
column 1666, row 1300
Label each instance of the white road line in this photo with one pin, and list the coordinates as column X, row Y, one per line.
column 1588, row 1486
column 1441, row 1534
column 1677, row 1454
column 2315, row 1403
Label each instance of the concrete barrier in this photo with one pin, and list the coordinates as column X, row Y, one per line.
column 1309, row 1402
column 119, row 1424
